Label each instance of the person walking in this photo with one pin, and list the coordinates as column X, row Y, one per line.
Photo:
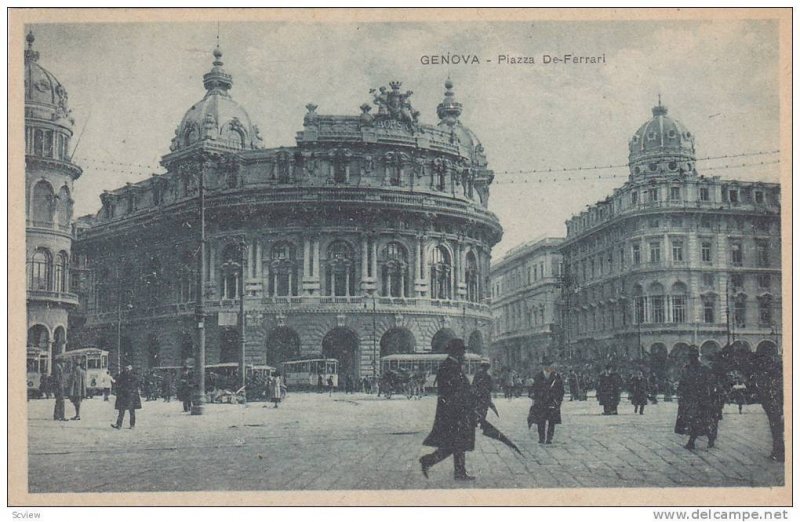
column 77, row 388
column 454, row 425
column 769, row 385
column 697, row 411
column 127, row 397
column 638, row 389
column 738, row 393
column 185, row 389
column 330, row 385
column 609, row 389
column 58, row 381
column 482, row 386
column 274, row 390
column 574, row 386
column 547, row 394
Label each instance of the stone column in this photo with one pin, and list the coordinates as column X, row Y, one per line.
column 315, row 275
column 420, row 277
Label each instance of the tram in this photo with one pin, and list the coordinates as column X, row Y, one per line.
column 304, row 373
column 427, row 364
column 37, row 369
column 98, row 377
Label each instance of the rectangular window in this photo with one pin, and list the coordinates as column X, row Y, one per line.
column 708, row 280
column 679, row 309
column 655, row 252
column 762, row 250
column 733, row 196
column 638, row 311
column 737, row 281
column 658, row 308
column 739, row 313
column 677, row 251
column 705, row 251
column 759, row 197
column 677, row 222
column 708, row 311
column 653, row 194
column 736, row 254
column 634, row 197
column 636, row 254
column 675, row 193
column 763, row 281
column 704, row 194
column 765, row 312
column 48, row 144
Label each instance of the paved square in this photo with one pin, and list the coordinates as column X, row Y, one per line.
column 317, row 442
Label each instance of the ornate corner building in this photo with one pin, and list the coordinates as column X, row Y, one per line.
column 368, row 237
column 673, row 258
column 49, row 176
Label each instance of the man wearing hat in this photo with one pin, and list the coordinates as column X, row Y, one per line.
column 697, row 415
column 609, row 389
column 127, row 397
column 768, row 379
column 482, row 386
column 547, row 393
column 453, row 430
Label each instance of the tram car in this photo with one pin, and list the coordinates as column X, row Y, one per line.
column 303, row 374
column 427, row 364
column 98, row 377
column 37, row 369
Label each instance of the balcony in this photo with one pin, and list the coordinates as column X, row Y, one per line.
column 67, row 298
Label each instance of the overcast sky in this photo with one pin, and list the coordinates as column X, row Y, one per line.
column 130, row 84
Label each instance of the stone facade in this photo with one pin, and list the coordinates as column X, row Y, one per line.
column 673, row 258
column 49, row 176
column 370, row 236
column 526, row 290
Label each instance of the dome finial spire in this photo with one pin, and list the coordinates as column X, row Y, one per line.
column 659, row 110
column 449, row 110
column 30, row 54
column 217, row 81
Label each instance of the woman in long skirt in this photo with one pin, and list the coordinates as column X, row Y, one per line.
column 275, row 389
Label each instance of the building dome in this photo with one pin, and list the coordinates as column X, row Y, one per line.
column 217, row 117
column 45, row 97
column 662, row 145
column 449, row 111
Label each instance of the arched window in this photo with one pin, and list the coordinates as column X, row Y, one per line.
column 656, row 297
column 43, row 200
column 152, row 281
column 638, row 305
column 62, row 272
column 395, row 270
column 41, row 270
column 187, row 277
column 234, row 134
column 340, row 275
column 64, row 208
column 678, row 303
column 283, row 269
column 231, row 271
column 441, row 269
column 472, row 278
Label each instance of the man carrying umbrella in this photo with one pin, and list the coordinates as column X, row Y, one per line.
column 482, row 386
column 453, row 430
column 547, row 393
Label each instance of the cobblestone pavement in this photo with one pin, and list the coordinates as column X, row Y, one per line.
column 317, row 442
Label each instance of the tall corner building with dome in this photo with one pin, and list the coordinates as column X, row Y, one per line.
column 49, row 177
column 370, row 236
column 672, row 259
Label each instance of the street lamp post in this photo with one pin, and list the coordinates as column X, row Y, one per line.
column 374, row 344
column 242, row 335
column 200, row 312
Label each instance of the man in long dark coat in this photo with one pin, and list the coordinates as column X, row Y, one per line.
column 185, row 389
column 769, row 384
column 609, row 389
column 453, row 430
column 697, row 408
column 574, row 386
column 482, row 386
column 547, row 393
column 638, row 388
column 77, row 388
column 59, row 383
column 127, row 397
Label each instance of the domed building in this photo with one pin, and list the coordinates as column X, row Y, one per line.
column 49, row 177
column 370, row 236
column 672, row 259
